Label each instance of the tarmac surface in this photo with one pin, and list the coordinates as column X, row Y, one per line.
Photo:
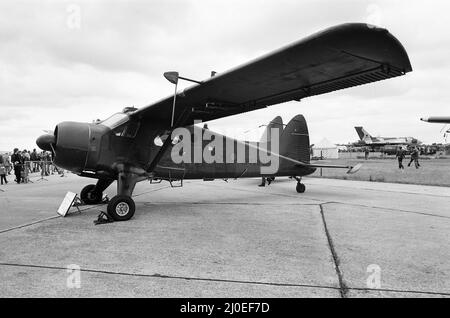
column 229, row 239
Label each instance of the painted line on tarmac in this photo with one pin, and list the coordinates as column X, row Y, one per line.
column 217, row 280
column 265, row 193
column 29, row 224
column 44, row 220
column 229, row 203
column 400, row 291
column 58, row 216
column 388, row 209
column 149, row 191
column 390, row 191
column 320, row 201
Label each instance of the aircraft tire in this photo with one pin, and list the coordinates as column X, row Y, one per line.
column 88, row 196
column 301, row 188
column 121, row 208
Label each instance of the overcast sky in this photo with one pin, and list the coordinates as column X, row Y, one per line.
column 83, row 60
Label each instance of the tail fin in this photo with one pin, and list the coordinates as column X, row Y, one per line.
column 294, row 141
column 362, row 133
column 277, row 122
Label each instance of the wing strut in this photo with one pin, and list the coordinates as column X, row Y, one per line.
column 181, row 120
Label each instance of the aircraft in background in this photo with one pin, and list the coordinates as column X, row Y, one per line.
column 125, row 147
column 437, row 119
column 365, row 139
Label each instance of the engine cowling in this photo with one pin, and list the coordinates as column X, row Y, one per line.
column 71, row 145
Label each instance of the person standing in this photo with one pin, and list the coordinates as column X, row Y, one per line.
column 415, row 158
column 16, row 160
column 48, row 162
column 263, row 182
column 400, row 156
column 264, row 179
column 2, row 170
column 34, row 158
column 3, row 173
column 7, row 163
column 366, row 153
column 26, row 161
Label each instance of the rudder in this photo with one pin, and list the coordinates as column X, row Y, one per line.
column 295, row 140
column 362, row 133
column 276, row 123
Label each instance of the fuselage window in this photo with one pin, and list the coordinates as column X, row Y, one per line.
column 158, row 141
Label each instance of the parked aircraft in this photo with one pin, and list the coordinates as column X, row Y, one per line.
column 141, row 144
column 365, row 139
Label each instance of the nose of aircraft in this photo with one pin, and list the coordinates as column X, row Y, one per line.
column 45, row 141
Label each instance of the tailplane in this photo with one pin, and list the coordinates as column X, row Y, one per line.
column 295, row 145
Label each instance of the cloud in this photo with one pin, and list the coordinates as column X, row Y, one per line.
column 58, row 66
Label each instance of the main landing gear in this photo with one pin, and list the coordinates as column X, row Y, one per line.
column 301, row 188
column 121, row 207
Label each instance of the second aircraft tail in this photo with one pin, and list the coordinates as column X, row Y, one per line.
column 362, row 133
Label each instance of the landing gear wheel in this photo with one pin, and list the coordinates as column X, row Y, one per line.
column 89, row 196
column 121, row 208
column 300, row 187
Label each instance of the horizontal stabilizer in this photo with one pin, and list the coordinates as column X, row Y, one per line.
column 351, row 169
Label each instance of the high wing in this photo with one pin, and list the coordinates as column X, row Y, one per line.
column 339, row 57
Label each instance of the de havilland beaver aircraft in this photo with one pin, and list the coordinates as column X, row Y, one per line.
column 139, row 144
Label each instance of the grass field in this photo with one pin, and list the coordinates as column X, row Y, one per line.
column 432, row 171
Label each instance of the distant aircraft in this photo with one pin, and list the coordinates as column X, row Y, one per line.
column 365, row 139
column 437, row 119
column 141, row 144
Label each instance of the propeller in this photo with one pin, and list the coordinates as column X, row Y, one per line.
column 45, row 142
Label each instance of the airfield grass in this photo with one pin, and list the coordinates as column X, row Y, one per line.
column 432, row 171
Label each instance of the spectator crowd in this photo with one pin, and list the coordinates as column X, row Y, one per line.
column 23, row 163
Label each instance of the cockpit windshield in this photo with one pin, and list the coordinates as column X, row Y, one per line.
column 115, row 120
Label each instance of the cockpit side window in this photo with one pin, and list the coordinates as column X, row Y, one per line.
column 128, row 130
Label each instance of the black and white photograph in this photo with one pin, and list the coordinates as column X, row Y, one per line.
column 224, row 153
